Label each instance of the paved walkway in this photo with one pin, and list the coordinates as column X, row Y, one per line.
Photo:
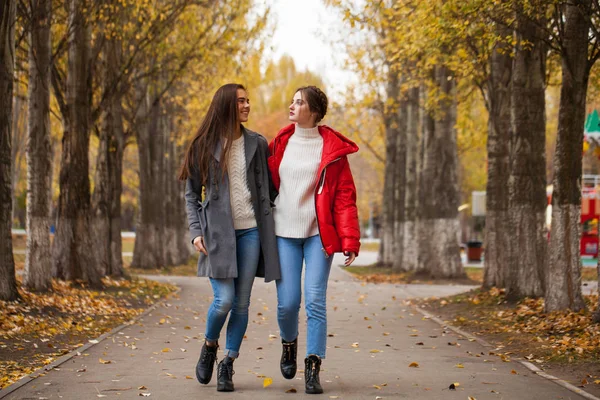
column 374, row 337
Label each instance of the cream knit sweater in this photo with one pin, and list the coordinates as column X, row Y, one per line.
column 295, row 213
column 239, row 194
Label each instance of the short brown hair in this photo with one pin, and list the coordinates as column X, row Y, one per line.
column 316, row 99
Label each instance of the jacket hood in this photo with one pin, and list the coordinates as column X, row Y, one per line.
column 335, row 144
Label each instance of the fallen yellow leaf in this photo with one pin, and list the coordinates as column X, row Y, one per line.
column 166, row 350
column 413, row 365
column 105, row 361
column 267, row 382
column 459, row 366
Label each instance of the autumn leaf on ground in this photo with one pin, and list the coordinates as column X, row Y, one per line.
column 413, row 365
column 375, row 351
column 459, row 366
column 453, row 386
column 166, row 350
column 267, row 382
column 354, row 344
column 104, row 361
column 291, row 390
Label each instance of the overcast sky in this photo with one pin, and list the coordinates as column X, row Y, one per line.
column 306, row 31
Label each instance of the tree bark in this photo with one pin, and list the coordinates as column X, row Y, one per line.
column 410, row 243
column 497, row 230
column 149, row 250
column 38, row 261
column 527, row 181
column 178, row 249
column 563, row 281
column 387, row 248
column 399, row 186
column 74, row 251
column 438, row 227
column 8, row 283
column 109, row 172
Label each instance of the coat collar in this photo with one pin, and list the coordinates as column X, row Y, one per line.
column 250, row 146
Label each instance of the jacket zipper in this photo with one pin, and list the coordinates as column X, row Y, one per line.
column 319, row 190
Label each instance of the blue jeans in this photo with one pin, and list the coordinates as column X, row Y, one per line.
column 233, row 294
column 292, row 252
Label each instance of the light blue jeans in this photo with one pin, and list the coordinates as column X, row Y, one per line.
column 233, row 294
column 292, row 252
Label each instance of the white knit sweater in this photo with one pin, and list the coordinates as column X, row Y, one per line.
column 295, row 213
column 239, row 194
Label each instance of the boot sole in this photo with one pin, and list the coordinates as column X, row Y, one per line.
column 288, row 375
column 224, row 389
column 313, row 391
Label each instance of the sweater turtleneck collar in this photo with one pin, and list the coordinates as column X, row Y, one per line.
column 304, row 133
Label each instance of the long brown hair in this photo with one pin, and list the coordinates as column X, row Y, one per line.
column 221, row 122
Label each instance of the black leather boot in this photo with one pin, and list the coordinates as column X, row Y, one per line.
column 288, row 358
column 225, row 375
column 312, row 366
column 206, row 363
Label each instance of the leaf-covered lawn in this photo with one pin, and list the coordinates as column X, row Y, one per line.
column 565, row 341
column 41, row 327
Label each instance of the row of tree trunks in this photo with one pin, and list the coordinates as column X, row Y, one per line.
column 497, row 95
column 527, row 182
column 161, row 236
column 74, row 251
column 563, row 281
column 38, row 261
column 8, row 285
column 438, row 195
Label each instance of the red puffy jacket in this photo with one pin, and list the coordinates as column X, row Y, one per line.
column 335, row 194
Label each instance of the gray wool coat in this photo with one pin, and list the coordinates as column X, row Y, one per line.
column 211, row 216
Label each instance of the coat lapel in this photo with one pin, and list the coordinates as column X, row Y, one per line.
column 250, row 145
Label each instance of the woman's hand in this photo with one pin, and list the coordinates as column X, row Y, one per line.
column 199, row 245
column 351, row 256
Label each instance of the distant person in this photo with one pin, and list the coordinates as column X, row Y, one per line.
column 315, row 217
column 231, row 222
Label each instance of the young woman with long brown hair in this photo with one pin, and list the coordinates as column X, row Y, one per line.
column 231, row 222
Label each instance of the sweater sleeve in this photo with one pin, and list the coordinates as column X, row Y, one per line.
column 345, row 212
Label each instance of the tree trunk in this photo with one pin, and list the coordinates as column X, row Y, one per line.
column 8, row 283
column 410, row 245
column 149, row 250
column 109, row 170
column 563, row 281
column 497, row 231
column 74, row 251
column 438, row 227
column 387, row 248
column 399, row 186
column 527, row 181
column 38, row 261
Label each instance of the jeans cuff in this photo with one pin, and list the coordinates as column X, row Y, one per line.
column 231, row 353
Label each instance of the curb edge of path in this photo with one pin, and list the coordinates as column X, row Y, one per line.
column 533, row 368
column 66, row 357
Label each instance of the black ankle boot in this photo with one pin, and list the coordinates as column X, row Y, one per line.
column 206, row 363
column 225, row 375
column 312, row 366
column 288, row 358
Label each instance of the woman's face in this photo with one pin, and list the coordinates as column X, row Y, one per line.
column 243, row 103
column 300, row 112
